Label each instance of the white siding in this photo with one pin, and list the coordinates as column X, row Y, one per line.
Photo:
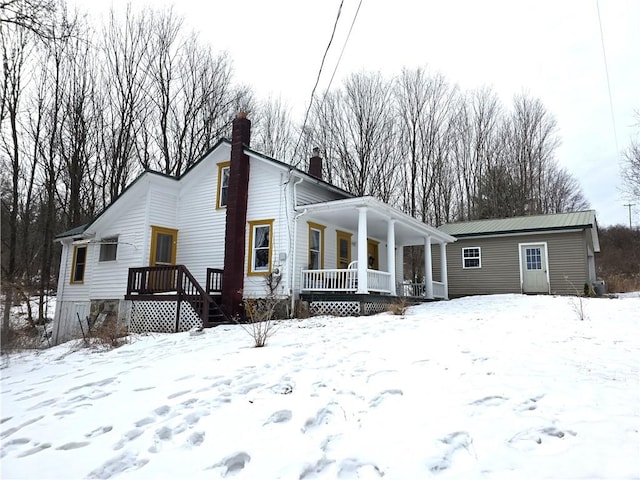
column 109, row 279
column 201, row 226
column 268, row 199
column 75, row 291
column 309, row 192
column 66, row 325
column 163, row 207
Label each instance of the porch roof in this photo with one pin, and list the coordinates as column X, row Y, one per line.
column 344, row 215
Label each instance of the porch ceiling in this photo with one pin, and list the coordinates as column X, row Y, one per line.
column 343, row 214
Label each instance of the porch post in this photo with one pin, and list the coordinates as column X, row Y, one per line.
column 391, row 254
column 428, row 271
column 443, row 269
column 362, row 251
column 400, row 268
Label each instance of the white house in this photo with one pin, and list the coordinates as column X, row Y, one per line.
column 172, row 253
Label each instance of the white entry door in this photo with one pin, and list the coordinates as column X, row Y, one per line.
column 533, row 265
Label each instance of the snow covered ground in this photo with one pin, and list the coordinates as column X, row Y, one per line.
column 496, row 387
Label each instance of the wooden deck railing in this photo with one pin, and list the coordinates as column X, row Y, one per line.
column 214, row 280
column 176, row 281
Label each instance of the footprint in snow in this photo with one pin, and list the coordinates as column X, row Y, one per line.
column 127, row 437
column 99, row 383
column 236, row 462
column 352, row 468
column 378, row 399
column 490, row 401
column 13, row 430
column 195, row 439
column 530, row 404
column 99, row 431
column 178, row 394
column 162, row 410
column 46, row 403
column 12, row 445
column 72, row 445
column 190, row 420
column 454, row 442
column 281, row 416
column 116, row 465
column 527, row 437
column 38, row 448
column 144, row 421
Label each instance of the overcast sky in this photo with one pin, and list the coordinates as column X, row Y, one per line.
column 551, row 49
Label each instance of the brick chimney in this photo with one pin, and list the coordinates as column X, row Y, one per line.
column 315, row 164
column 235, row 233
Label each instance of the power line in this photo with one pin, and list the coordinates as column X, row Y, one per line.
column 606, row 69
column 343, row 48
column 306, row 116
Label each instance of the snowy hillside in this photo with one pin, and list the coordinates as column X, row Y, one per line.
column 497, row 387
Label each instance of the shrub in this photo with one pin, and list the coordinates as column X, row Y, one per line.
column 261, row 313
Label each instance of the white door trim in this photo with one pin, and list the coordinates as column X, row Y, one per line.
column 546, row 261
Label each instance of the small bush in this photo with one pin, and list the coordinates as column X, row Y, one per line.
column 399, row 307
column 105, row 335
column 622, row 283
column 27, row 337
column 261, row 313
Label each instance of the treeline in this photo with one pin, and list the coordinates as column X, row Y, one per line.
column 618, row 262
column 441, row 153
column 85, row 109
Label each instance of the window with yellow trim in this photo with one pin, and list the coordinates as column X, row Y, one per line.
column 316, row 246
column 343, row 249
column 164, row 242
column 260, row 247
column 79, row 263
column 223, row 184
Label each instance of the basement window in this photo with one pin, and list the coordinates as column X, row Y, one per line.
column 108, row 249
column 471, row 257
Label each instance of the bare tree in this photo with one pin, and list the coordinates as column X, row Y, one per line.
column 273, row 129
column 356, row 125
column 631, row 165
column 14, row 46
column 124, row 85
column 35, row 16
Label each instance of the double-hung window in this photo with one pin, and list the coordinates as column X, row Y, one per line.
column 108, row 249
column 260, row 246
column 316, row 246
column 79, row 263
column 223, row 184
column 471, row 257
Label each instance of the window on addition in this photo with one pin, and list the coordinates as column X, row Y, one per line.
column 471, row 257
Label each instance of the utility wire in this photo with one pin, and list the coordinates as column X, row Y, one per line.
column 306, row 116
column 606, row 69
column 342, row 51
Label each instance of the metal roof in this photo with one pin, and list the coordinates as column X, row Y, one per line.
column 72, row 232
column 533, row 223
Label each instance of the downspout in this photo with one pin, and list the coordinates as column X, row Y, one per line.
column 294, row 242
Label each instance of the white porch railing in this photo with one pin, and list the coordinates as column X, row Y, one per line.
column 438, row 290
column 343, row 280
column 346, row 280
column 409, row 289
